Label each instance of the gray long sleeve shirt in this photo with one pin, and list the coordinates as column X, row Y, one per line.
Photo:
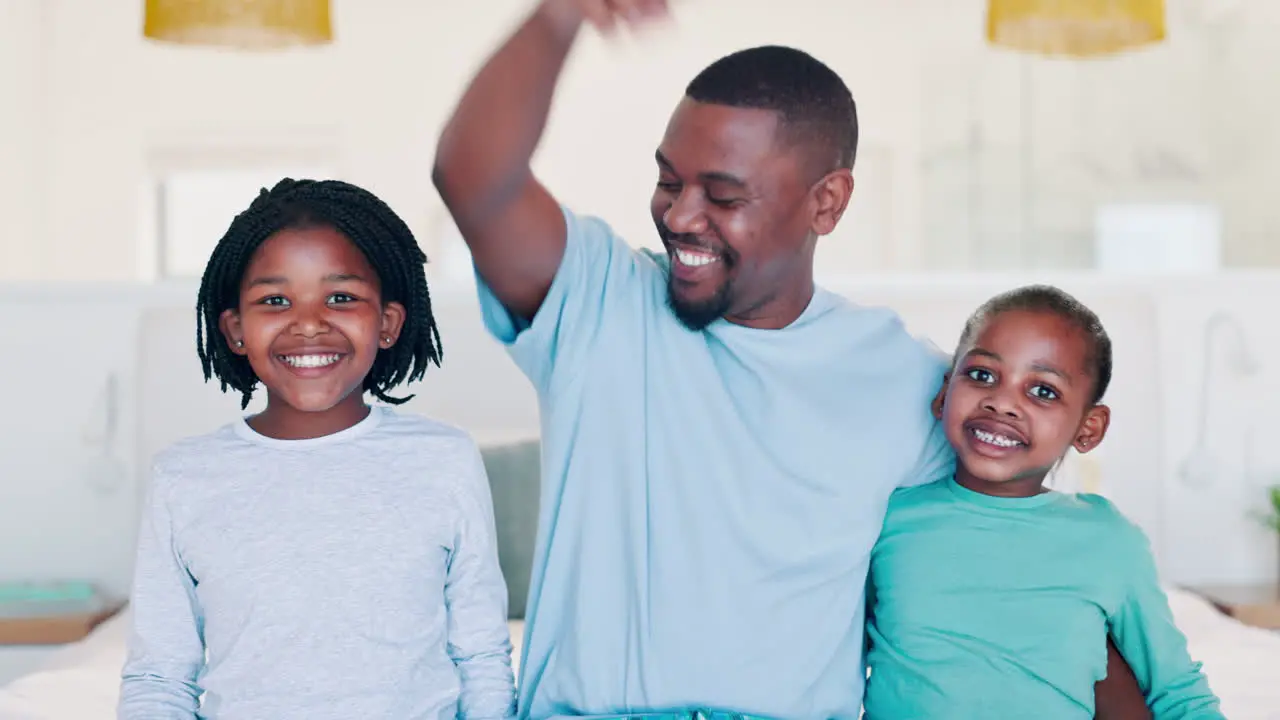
column 350, row 576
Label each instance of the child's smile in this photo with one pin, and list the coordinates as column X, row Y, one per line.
column 301, row 362
column 1018, row 399
column 994, row 437
column 308, row 363
column 312, row 322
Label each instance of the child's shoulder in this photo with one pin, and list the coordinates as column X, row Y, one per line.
column 1094, row 506
column 1104, row 516
column 195, row 450
column 418, row 440
column 931, row 493
column 415, row 428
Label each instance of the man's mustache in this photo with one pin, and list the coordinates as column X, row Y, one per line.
column 694, row 242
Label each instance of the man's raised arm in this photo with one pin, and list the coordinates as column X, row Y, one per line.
column 514, row 227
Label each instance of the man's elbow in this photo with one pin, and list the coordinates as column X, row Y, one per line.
column 467, row 194
column 444, row 175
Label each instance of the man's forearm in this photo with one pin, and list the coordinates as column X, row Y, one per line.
column 487, row 145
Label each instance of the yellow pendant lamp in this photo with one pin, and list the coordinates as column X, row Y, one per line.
column 1075, row 28
column 239, row 24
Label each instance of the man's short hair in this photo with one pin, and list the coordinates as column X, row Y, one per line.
column 816, row 106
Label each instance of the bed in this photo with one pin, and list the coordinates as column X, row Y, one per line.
column 81, row 681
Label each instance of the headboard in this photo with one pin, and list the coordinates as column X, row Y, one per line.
column 477, row 388
column 480, row 389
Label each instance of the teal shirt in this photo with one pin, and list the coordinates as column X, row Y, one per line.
column 1000, row 608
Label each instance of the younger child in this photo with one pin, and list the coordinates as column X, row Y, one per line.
column 992, row 596
column 322, row 559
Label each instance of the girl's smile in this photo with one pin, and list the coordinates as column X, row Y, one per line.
column 312, row 322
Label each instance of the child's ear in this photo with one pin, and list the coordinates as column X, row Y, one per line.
column 229, row 324
column 393, row 315
column 1092, row 428
column 942, row 394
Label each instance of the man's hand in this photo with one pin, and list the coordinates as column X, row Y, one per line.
column 606, row 16
column 514, row 226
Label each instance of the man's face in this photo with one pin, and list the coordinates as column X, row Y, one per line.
column 738, row 212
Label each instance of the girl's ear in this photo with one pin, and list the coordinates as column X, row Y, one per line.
column 229, row 323
column 942, row 394
column 1093, row 428
column 393, row 316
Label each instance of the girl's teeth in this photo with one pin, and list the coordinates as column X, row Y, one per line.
column 311, row 361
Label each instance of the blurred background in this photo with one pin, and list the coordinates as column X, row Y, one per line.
column 1138, row 174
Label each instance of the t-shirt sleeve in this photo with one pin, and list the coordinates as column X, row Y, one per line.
column 476, row 601
column 597, row 265
column 1146, row 636
column 937, row 459
column 166, row 645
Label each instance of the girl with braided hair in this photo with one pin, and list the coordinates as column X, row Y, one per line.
column 323, row 558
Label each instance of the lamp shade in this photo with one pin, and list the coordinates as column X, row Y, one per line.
column 241, row 24
column 1075, row 28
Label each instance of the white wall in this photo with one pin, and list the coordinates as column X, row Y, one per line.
column 91, row 111
column 68, row 504
column 68, row 470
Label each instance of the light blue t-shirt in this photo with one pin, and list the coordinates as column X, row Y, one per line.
column 709, row 499
column 989, row 607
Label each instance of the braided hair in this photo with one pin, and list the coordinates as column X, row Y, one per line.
column 374, row 228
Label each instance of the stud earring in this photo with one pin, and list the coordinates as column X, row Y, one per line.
column 239, row 343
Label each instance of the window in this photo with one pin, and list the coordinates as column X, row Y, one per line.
column 190, row 210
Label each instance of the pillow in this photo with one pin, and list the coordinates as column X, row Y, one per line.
column 514, row 479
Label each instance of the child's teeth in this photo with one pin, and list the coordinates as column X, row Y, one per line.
column 310, row 361
column 994, row 439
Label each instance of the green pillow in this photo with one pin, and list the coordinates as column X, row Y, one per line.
column 514, row 478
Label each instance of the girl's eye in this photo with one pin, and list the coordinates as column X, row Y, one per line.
column 275, row 300
column 979, row 375
column 340, row 298
column 1044, row 392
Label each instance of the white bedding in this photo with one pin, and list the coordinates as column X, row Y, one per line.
column 82, row 681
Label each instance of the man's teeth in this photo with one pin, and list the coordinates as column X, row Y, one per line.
column 693, row 259
column 994, row 439
column 310, row 361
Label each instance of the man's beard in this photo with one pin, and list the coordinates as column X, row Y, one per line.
column 697, row 315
